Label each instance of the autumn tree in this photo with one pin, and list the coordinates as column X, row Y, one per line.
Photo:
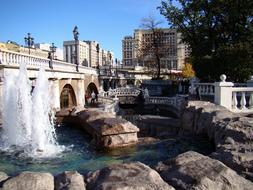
column 219, row 33
column 152, row 48
column 188, row 71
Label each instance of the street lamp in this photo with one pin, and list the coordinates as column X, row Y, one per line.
column 98, row 48
column 29, row 41
column 51, row 55
column 76, row 35
column 53, row 49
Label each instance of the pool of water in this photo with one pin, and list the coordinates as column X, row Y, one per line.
column 80, row 156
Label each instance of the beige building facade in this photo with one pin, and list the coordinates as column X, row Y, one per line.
column 89, row 53
column 173, row 58
column 69, row 50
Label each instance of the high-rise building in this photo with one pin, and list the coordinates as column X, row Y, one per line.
column 128, row 44
column 173, row 57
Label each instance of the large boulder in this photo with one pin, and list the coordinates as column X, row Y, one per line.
column 231, row 133
column 93, row 114
column 108, row 132
column 3, row 176
column 192, row 170
column 132, row 176
column 30, row 181
column 69, row 180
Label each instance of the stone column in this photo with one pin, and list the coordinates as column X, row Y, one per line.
column 80, row 93
column 223, row 93
column 55, row 93
column 101, row 87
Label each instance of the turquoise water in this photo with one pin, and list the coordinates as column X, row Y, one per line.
column 81, row 157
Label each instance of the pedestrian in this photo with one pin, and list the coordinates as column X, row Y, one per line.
column 93, row 97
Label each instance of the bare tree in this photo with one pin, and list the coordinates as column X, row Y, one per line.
column 153, row 47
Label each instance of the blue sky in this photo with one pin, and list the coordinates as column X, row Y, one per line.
column 106, row 21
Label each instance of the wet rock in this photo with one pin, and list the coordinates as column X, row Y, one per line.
column 192, row 170
column 69, row 180
column 30, row 181
column 132, row 176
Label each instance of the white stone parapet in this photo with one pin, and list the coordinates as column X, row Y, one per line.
column 121, row 92
column 10, row 58
column 242, row 99
column 236, row 99
column 205, row 89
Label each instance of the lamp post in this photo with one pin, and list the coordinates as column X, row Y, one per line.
column 98, row 48
column 51, row 55
column 76, row 35
column 110, row 57
column 29, row 41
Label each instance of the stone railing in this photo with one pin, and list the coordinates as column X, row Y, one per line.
column 121, row 92
column 11, row 58
column 242, row 99
column 176, row 101
column 204, row 89
column 235, row 99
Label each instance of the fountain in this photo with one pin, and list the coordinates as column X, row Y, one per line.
column 28, row 137
column 28, row 119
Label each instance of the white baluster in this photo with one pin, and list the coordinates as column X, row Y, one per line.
column 1, row 57
column 243, row 101
column 251, row 100
column 15, row 59
column 10, row 58
column 234, row 101
column 205, row 89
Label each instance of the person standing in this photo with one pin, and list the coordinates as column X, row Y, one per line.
column 93, row 97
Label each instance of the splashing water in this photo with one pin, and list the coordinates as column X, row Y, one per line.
column 28, row 119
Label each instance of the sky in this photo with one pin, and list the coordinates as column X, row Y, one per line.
column 105, row 21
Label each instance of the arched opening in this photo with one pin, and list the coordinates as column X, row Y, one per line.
column 91, row 87
column 68, row 98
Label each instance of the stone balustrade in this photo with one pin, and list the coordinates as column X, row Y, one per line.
column 242, row 99
column 121, row 92
column 171, row 101
column 205, row 89
column 10, row 58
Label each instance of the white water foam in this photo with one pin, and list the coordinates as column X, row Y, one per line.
column 27, row 119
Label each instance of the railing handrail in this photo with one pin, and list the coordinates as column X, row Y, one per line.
column 204, row 83
column 38, row 58
column 242, row 89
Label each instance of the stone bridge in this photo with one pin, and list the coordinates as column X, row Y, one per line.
column 131, row 95
column 173, row 105
column 70, row 84
column 126, row 95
